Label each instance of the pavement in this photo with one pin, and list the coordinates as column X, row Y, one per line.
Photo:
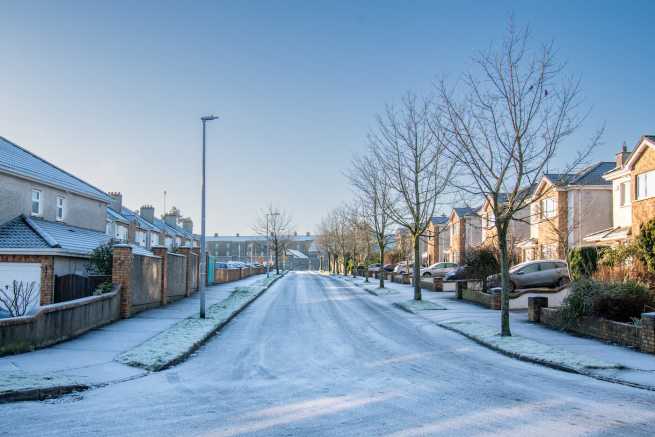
column 315, row 355
column 639, row 367
column 89, row 358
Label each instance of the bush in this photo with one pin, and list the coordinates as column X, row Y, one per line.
column 646, row 243
column 480, row 264
column 583, row 262
column 620, row 255
column 618, row 301
column 105, row 287
column 102, row 259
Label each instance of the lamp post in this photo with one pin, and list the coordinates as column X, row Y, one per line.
column 203, row 260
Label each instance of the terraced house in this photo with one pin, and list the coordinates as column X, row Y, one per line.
column 465, row 228
column 565, row 208
column 50, row 221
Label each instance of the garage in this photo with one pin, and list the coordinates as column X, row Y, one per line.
column 28, row 277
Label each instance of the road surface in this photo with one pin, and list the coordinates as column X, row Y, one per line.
column 314, row 356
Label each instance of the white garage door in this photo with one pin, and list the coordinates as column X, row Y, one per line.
column 27, row 273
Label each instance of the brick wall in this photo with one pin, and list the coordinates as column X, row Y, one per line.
column 121, row 274
column 47, row 273
column 162, row 252
column 642, row 210
column 491, row 301
column 648, row 333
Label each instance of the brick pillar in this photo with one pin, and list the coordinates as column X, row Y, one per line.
column 648, row 333
column 186, row 251
column 131, row 232
column 162, row 252
column 535, row 304
column 121, row 274
column 460, row 286
column 437, row 284
column 47, row 281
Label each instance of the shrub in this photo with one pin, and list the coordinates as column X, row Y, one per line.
column 481, row 263
column 102, row 259
column 583, row 262
column 620, row 255
column 618, row 301
column 105, row 287
column 646, row 243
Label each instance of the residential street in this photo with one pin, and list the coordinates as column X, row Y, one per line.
column 315, row 356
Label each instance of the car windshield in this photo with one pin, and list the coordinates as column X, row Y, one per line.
column 518, row 267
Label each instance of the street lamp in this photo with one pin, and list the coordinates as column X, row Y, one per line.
column 268, row 245
column 203, row 259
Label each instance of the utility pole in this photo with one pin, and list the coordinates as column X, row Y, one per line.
column 268, row 244
column 203, row 259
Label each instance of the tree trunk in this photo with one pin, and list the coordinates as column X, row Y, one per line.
column 277, row 259
column 504, row 278
column 417, row 269
column 382, row 266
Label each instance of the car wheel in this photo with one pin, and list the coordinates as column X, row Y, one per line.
column 512, row 286
column 427, row 275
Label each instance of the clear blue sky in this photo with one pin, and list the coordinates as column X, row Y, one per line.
column 113, row 91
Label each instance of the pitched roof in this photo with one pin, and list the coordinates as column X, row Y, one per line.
column 439, row 220
column 591, row 175
column 116, row 217
column 140, row 221
column 464, row 211
column 20, row 162
column 31, row 233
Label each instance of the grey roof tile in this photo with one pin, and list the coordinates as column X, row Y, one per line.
column 17, row 160
column 71, row 238
column 17, row 234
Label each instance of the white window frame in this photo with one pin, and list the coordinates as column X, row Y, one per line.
column 645, row 185
column 548, row 208
column 38, row 201
column 140, row 237
column 60, row 204
column 154, row 239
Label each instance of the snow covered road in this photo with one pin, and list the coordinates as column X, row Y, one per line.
column 315, row 356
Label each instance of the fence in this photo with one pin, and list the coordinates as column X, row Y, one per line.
column 72, row 286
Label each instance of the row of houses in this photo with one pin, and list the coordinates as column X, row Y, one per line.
column 51, row 221
column 604, row 204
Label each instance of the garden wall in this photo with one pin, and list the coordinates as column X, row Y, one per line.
column 488, row 300
column 145, row 282
column 176, row 276
column 58, row 322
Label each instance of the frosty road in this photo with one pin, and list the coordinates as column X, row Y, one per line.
column 315, row 356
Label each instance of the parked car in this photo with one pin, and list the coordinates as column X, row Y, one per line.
column 389, row 267
column 438, row 270
column 374, row 268
column 532, row 274
column 459, row 273
column 221, row 266
column 403, row 267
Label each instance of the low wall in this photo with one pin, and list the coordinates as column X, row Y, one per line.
column 145, row 282
column 520, row 300
column 491, row 301
column 176, row 276
column 58, row 322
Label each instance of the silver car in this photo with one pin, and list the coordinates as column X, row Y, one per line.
column 535, row 274
column 403, row 267
column 438, row 270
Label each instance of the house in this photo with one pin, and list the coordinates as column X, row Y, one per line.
column 465, row 230
column 519, row 227
column 125, row 225
column 620, row 229
column 437, row 239
column 565, row 208
column 50, row 221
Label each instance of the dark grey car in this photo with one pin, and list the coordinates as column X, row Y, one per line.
column 535, row 274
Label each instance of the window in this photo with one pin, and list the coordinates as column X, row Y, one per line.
column 121, row 233
column 108, row 229
column 646, row 185
column 548, row 207
column 36, row 202
column 549, row 251
column 532, row 268
column 624, row 193
column 60, row 208
column 154, row 239
column 140, row 238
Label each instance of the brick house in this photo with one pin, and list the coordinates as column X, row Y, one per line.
column 437, row 239
column 50, row 220
column 565, row 208
column 465, row 229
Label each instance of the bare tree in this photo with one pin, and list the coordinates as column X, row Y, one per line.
column 505, row 130
column 372, row 190
column 415, row 166
column 18, row 300
column 276, row 225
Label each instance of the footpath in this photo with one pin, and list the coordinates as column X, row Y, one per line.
column 119, row 351
column 529, row 342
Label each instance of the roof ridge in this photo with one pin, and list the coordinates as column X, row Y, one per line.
column 42, row 233
column 45, row 161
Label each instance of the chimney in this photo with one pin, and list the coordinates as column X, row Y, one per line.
column 187, row 224
column 170, row 218
column 622, row 156
column 215, row 234
column 116, row 201
column 237, row 234
column 147, row 212
column 307, row 234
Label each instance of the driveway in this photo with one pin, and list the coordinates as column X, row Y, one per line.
column 315, row 356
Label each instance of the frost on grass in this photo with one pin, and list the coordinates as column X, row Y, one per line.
column 172, row 345
column 419, row 305
column 530, row 350
column 12, row 381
